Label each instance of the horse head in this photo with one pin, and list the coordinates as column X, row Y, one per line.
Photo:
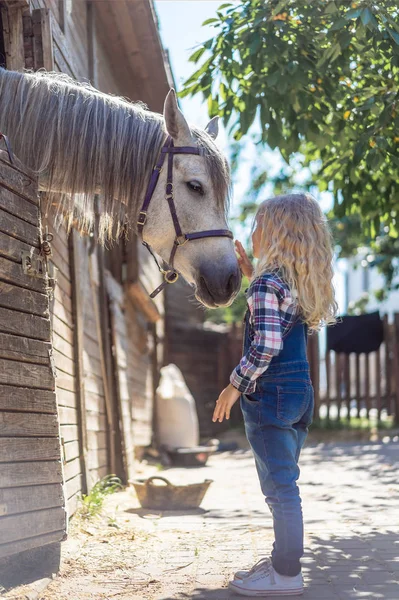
column 201, row 185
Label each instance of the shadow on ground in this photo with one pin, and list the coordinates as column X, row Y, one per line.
column 343, row 568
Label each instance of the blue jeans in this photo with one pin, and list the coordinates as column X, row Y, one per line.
column 277, row 417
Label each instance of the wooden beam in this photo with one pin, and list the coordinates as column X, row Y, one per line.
column 77, row 297
column 42, row 39
column 140, row 298
column 13, row 34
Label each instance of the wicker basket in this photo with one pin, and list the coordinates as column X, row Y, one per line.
column 169, row 496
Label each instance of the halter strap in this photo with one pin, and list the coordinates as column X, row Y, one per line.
column 171, row 275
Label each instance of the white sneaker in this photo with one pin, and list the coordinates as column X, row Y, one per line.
column 266, row 581
column 261, row 564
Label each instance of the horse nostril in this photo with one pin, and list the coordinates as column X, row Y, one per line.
column 232, row 283
column 205, row 286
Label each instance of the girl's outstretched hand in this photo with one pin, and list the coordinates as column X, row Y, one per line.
column 227, row 398
column 243, row 260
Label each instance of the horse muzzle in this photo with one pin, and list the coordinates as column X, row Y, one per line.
column 217, row 286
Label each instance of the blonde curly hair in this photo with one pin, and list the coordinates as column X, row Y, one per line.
column 296, row 240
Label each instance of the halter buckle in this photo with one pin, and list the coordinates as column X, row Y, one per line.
column 170, row 276
column 142, row 218
column 181, row 240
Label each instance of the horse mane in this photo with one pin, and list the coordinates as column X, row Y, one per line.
column 85, row 144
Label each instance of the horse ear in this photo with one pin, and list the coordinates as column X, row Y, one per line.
column 212, row 128
column 176, row 124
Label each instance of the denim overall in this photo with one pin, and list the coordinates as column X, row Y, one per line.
column 277, row 416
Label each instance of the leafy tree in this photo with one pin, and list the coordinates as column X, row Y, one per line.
column 315, row 77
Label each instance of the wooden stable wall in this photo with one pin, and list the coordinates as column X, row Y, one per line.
column 94, row 41
column 32, row 509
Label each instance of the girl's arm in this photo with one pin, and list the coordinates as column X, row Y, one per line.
column 264, row 306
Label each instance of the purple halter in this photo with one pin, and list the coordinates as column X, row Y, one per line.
column 171, row 275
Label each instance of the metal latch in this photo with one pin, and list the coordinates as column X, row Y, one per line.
column 33, row 264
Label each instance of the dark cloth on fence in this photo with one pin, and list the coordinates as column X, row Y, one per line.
column 358, row 334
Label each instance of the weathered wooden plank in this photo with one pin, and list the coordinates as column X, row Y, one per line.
column 24, row 300
column 67, row 415
column 64, row 363
column 71, row 451
column 62, row 329
column 21, row 182
column 97, row 440
column 59, row 261
column 95, row 402
column 27, row 400
column 13, row 37
column 16, row 527
column 65, row 381
column 28, row 424
column 32, row 326
column 63, row 298
column 26, row 374
column 12, row 272
column 30, row 543
column 96, row 422
column 18, row 229
column 12, row 248
column 63, row 283
column 62, row 313
column 69, row 433
column 66, row 398
column 19, row 207
column 27, row 449
column 72, row 469
column 73, row 486
column 19, row 500
column 32, row 473
column 93, row 384
column 91, row 348
column 141, row 299
column 91, row 365
column 97, row 459
column 62, row 346
column 24, row 349
column 73, row 504
column 42, row 39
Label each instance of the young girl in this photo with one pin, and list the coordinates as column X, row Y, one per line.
column 290, row 293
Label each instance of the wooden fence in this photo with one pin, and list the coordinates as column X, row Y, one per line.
column 346, row 385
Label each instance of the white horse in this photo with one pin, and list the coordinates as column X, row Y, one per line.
column 82, row 142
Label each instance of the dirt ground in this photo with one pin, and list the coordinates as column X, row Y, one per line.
column 350, row 493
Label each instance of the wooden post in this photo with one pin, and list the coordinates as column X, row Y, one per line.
column 338, row 382
column 358, row 392
column 13, row 34
column 77, row 307
column 367, row 384
column 387, row 364
column 347, row 379
column 328, row 382
column 314, row 363
column 378, row 382
column 396, row 366
column 96, row 291
column 42, row 40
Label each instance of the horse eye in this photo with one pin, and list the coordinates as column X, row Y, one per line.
column 196, row 187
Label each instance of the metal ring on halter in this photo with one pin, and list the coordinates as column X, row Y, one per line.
column 181, row 237
column 171, row 276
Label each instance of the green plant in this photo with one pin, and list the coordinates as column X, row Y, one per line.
column 92, row 503
column 318, row 81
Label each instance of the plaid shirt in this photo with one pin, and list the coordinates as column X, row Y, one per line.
column 272, row 310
